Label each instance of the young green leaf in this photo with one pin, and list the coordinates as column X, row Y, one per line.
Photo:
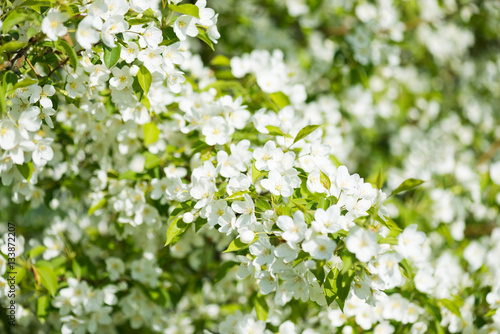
column 111, row 55
column 407, row 185
column 280, row 99
column 453, row 307
column 35, row 251
column 220, row 60
column 3, row 104
column 151, row 133
column 237, row 245
column 262, row 204
column 23, row 83
column 12, row 46
column 380, row 178
column 256, row 173
column 343, row 287
column 99, row 205
column 69, row 51
column 306, row 131
column 274, row 130
column 13, row 18
column 187, row 9
column 261, row 307
column 176, row 228
column 325, row 180
column 330, row 286
column 42, row 304
column 26, row 170
column 128, row 175
column 152, row 160
column 145, row 78
column 202, row 35
column 47, row 277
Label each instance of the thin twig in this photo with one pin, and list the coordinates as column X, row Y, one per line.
column 29, row 63
column 60, row 64
column 490, row 153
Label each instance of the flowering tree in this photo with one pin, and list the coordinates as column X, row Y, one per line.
column 161, row 177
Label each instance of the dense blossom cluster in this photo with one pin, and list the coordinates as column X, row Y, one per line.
column 157, row 191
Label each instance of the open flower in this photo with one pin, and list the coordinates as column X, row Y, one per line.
column 52, row 24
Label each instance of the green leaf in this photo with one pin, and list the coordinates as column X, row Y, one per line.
column 343, row 287
column 380, row 178
column 23, row 83
column 225, row 85
column 220, row 60
column 36, row 3
column 306, row 131
column 389, row 240
column 70, row 52
column 348, row 259
column 35, row 251
column 149, row 13
column 299, row 202
column 199, row 223
column 77, row 269
column 42, row 304
column 21, row 273
column 330, row 286
column 142, row 20
column 256, row 173
column 319, row 272
column 407, row 271
column 490, row 313
column 111, row 55
column 145, row 78
column 223, row 270
column 324, row 203
column 407, row 185
column 48, row 277
column 325, row 180
column 388, row 222
column 99, row 205
column 439, row 329
column 434, row 310
column 237, row 245
column 145, row 102
column 198, row 146
column 236, row 195
column 151, row 133
column 450, row 305
column 261, row 307
column 280, row 99
column 187, row 9
column 128, row 175
column 26, row 170
column 176, row 228
column 262, row 204
column 202, row 35
column 9, row 80
column 152, row 160
column 274, row 130
column 12, row 46
column 3, row 104
column 13, row 18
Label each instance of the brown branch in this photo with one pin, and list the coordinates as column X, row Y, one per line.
column 33, row 68
column 490, row 153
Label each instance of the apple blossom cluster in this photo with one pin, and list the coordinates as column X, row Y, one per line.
column 128, row 50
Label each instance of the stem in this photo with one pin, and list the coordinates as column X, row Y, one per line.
column 490, row 153
column 34, row 71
